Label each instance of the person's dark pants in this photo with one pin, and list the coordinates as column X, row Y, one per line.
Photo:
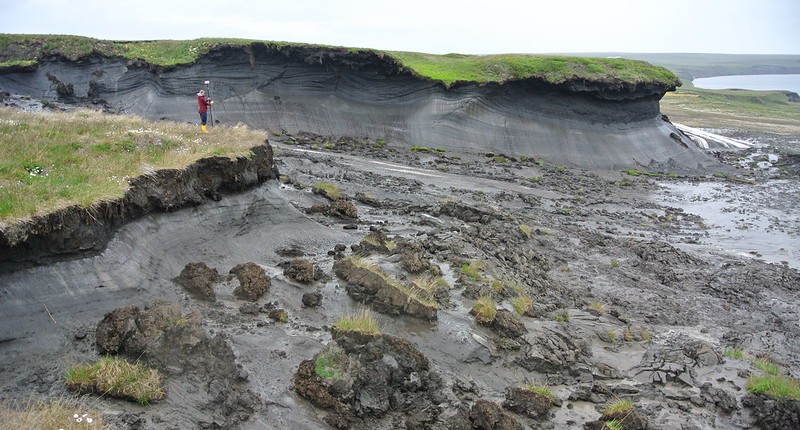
column 203, row 117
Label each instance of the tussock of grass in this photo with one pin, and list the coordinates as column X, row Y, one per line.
column 598, row 307
column 65, row 414
column 327, row 189
column 779, row 387
column 118, row 378
column 361, row 322
column 562, row 317
column 767, row 366
column 540, row 389
column 413, row 291
column 734, row 353
column 329, row 364
column 473, row 270
column 522, row 304
column 484, row 309
column 49, row 161
column 619, row 407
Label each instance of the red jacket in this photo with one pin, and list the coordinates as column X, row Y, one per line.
column 202, row 104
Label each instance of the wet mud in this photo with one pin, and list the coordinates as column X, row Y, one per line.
column 639, row 286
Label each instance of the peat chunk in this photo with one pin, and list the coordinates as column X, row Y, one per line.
column 527, row 402
column 312, row 300
column 486, row 415
column 253, row 281
column 199, row 279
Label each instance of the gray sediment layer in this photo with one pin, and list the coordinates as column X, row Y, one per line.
column 333, row 92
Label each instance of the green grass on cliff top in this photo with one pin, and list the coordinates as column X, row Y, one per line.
column 447, row 69
column 50, row 161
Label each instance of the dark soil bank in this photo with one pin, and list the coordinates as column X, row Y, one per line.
column 333, row 92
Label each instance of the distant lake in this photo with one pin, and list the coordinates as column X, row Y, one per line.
column 750, row 82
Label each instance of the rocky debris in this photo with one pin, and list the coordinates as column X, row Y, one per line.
column 466, row 213
column 199, row 279
column 250, row 309
column 741, row 283
column 376, row 241
column 362, row 377
column 720, row 398
column 669, row 262
column 507, row 324
column 312, row 300
column 627, row 419
column 676, row 362
column 773, row 414
column 412, row 257
column 176, row 344
column 290, row 252
column 385, row 295
column 340, row 208
column 552, row 350
column 302, row 271
column 530, row 403
column 486, row 415
column 253, row 281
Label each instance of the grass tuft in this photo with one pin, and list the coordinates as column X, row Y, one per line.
column 329, row 363
column 540, row 389
column 619, row 407
column 734, row 353
column 484, row 309
column 522, row 304
column 52, row 160
column 63, row 414
column 118, row 378
column 361, row 322
column 562, row 317
column 328, row 190
column 779, row 387
column 473, row 270
column 598, row 307
column 767, row 366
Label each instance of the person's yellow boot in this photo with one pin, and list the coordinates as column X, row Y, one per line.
column 203, row 127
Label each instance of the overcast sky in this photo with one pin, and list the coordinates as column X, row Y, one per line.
column 464, row 26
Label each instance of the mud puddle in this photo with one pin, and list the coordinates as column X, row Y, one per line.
column 753, row 220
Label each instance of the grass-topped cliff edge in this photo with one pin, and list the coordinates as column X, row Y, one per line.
column 49, row 161
column 27, row 50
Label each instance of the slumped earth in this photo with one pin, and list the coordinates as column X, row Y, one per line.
column 638, row 294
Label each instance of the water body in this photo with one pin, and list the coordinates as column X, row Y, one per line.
column 751, row 82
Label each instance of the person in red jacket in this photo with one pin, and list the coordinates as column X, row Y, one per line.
column 202, row 108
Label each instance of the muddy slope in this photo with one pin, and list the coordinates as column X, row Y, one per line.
column 76, row 231
column 632, row 299
column 336, row 93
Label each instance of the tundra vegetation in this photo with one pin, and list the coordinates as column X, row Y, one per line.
column 49, row 160
column 448, row 69
column 116, row 377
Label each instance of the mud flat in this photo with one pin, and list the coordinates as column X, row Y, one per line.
column 632, row 298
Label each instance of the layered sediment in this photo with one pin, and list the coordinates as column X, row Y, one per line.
column 336, row 92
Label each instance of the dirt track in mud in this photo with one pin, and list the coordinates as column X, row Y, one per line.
column 637, row 292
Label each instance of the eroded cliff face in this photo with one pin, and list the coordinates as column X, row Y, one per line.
column 77, row 231
column 335, row 92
